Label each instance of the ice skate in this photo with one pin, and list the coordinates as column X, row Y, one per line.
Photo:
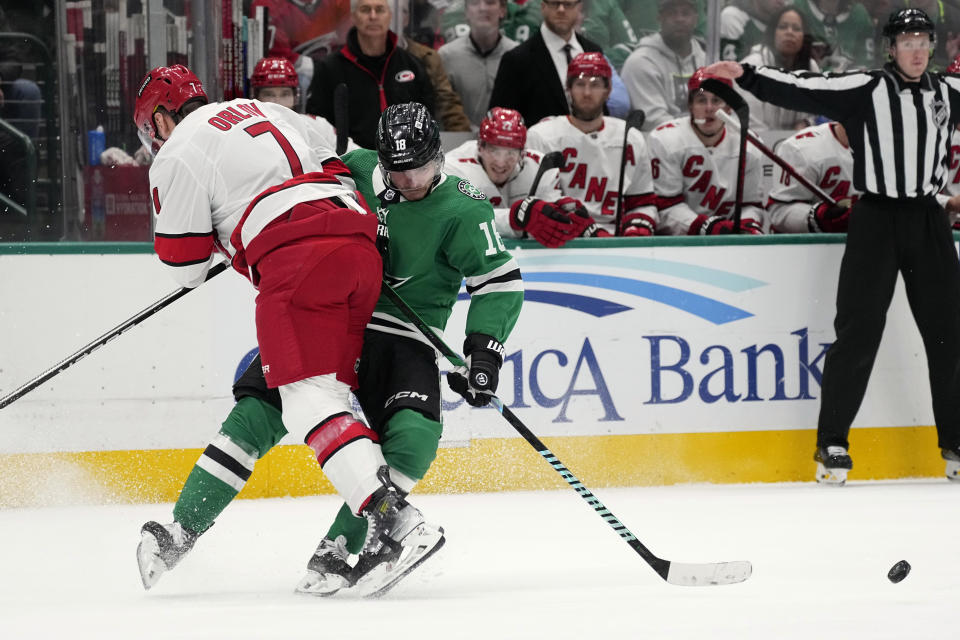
column 161, row 547
column 833, row 463
column 328, row 570
column 398, row 541
column 952, row 458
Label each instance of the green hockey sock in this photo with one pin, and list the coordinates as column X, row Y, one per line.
column 351, row 527
column 252, row 428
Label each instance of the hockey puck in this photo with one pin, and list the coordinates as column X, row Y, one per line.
column 898, row 571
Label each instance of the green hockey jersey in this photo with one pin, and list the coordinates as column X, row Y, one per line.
column 435, row 244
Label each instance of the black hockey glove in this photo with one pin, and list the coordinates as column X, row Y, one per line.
column 477, row 381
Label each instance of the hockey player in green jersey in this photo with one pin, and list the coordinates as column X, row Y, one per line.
column 441, row 231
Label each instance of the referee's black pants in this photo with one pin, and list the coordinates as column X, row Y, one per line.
column 887, row 236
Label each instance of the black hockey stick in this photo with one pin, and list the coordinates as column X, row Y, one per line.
column 736, row 102
column 341, row 116
column 551, row 160
column 783, row 164
column 105, row 338
column 635, row 120
column 682, row 574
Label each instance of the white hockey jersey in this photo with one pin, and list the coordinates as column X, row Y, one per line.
column 952, row 186
column 327, row 132
column 592, row 170
column 691, row 179
column 465, row 162
column 817, row 155
column 217, row 161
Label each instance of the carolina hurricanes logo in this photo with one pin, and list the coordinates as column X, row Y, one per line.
column 405, row 76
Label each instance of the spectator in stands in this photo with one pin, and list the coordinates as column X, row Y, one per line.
column 842, row 33
column 377, row 72
column 20, row 106
column 786, row 44
column 656, row 73
column 605, row 24
column 449, row 108
column 694, row 161
column 473, row 59
column 743, row 24
column 822, row 155
column 592, row 145
column 500, row 165
column 522, row 20
column 531, row 76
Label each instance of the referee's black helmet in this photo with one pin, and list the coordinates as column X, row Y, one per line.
column 908, row 21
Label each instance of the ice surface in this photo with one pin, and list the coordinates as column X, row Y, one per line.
column 516, row 565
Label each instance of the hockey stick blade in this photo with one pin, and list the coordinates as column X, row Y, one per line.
column 550, row 161
column 676, row 573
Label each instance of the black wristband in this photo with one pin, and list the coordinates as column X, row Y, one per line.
column 483, row 343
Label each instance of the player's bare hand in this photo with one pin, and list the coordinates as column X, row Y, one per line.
column 725, row 69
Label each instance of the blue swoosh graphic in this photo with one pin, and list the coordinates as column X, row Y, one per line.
column 596, row 307
column 711, row 310
column 707, row 275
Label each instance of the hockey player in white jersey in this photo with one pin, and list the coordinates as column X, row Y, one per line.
column 592, row 146
column 949, row 198
column 694, row 161
column 275, row 80
column 499, row 163
column 822, row 155
column 250, row 180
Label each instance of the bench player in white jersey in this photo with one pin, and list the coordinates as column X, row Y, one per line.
column 592, row 145
column 275, row 80
column 694, row 161
column 822, row 155
column 251, row 180
column 949, row 198
column 499, row 164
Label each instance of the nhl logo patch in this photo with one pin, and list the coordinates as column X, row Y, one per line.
column 939, row 112
column 468, row 189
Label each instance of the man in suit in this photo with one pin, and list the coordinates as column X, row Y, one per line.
column 531, row 76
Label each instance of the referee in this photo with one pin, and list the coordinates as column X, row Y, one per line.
column 899, row 120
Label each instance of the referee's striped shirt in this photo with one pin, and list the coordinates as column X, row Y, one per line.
column 899, row 132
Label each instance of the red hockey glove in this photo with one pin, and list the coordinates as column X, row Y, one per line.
column 547, row 224
column 477, row 382
column 710, row 226
column 828, row 218
column 637, row 224
column 581, row 217
column 750, row 227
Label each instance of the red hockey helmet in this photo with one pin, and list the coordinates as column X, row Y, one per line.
column 590, row 65
column 504, row 128
column 168, row 87
column 954, row 66
column 274, row 72
column 693, row 85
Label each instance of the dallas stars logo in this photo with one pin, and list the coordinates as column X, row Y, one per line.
column 468, row 189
